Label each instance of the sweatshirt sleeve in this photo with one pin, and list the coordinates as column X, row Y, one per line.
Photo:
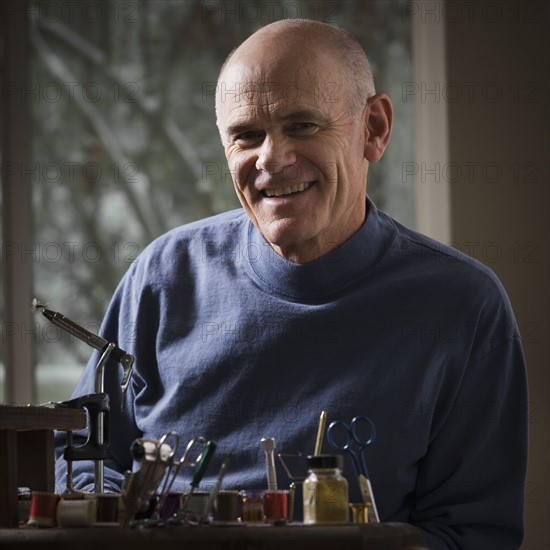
column 120, row 325
column 469, row 490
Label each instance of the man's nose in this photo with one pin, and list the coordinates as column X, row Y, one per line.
column 275, row 155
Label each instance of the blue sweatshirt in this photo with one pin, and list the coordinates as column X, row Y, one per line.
column 234, row 342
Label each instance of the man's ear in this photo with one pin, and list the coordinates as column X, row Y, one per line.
column 378, row 119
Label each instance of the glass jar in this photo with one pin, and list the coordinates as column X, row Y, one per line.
column 325, row 490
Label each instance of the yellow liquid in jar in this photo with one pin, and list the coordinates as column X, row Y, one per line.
column 325, row 501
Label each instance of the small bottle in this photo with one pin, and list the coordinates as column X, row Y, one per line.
column 325, row 490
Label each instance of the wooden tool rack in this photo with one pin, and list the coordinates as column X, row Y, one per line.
column 27, row 451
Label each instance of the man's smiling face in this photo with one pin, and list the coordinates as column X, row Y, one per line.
column 294, row 147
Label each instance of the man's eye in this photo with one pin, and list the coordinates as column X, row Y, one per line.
column 303, row 127
column 251, row 135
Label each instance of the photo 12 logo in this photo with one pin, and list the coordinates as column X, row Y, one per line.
column 69, row 92
column 223, row 11
column 70, row 252
column 50, row 12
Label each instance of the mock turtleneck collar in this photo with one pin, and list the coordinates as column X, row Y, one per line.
column 317, row 280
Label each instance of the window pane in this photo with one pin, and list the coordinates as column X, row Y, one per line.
column 125, row 144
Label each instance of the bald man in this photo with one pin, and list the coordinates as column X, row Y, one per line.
column 299, row 135
column 248, row 324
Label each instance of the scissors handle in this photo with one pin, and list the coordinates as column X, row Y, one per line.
column 196, row 441
column 341, row 427
column 358, row 437
column 352, row 435
column 344, row 445
column 363, row 442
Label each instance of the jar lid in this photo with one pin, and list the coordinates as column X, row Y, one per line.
column 325, row 461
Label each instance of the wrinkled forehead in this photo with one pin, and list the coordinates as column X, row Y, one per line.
column 278, row 87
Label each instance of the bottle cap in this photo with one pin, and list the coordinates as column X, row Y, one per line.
column 325, row 461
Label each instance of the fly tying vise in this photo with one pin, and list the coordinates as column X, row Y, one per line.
column 156, row 458
column 108, row 350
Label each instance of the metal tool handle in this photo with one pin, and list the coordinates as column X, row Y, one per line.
column 200, row 469
column 268, row 445
column 203, row 463
column 209, row 506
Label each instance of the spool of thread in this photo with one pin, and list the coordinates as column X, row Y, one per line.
column 43, row 509
column 252, row 506
column 276, row 505
column 108, row 505
column 227, row 506
column 76, row 513
column 197, row 503
column 359, row 512
column 171, row 505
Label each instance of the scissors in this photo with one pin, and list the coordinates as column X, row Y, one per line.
column 358, row 435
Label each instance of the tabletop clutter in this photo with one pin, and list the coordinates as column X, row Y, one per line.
column 147, row 499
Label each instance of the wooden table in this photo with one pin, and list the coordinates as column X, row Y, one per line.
column 381, row 536
column 27, row 451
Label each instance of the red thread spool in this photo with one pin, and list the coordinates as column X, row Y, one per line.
column 276, row 505
column 43, row 509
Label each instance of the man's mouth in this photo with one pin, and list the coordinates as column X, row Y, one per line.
column 283, row 191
